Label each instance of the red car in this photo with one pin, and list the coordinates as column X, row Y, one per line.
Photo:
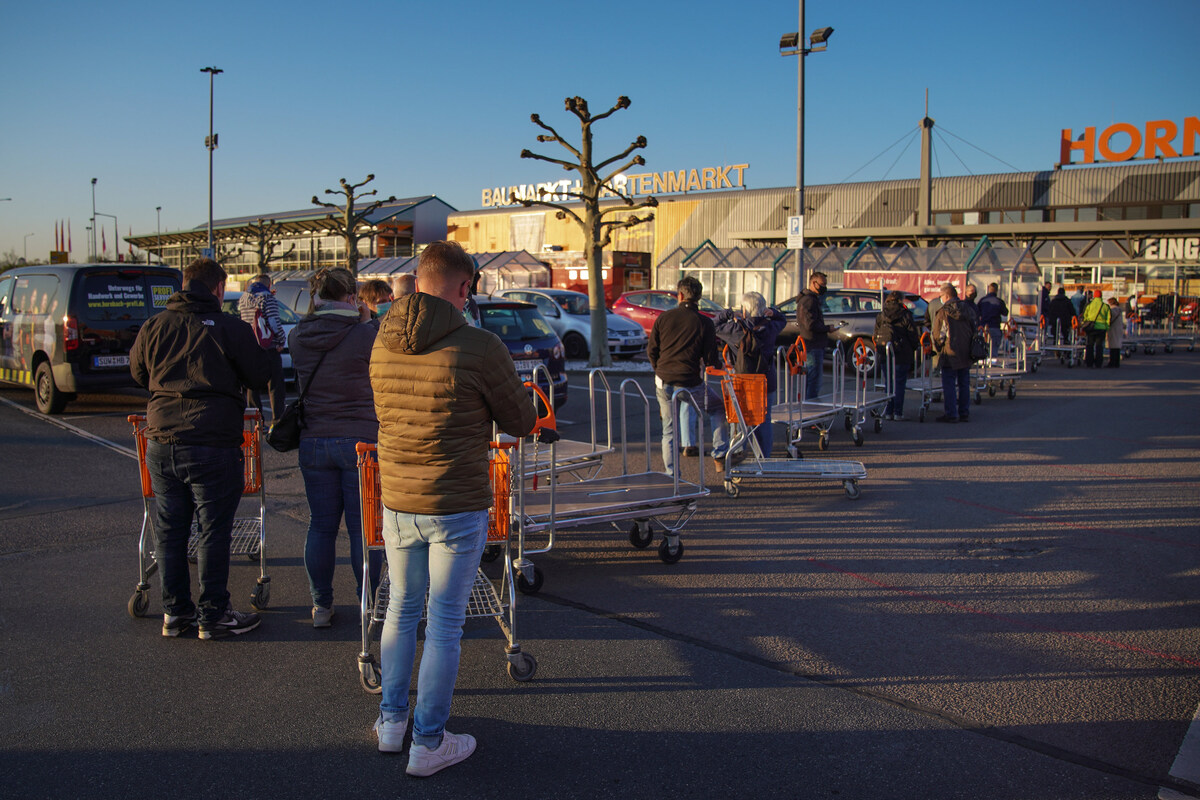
column 646, row 305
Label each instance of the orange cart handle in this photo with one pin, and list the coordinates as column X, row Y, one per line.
column 860, row 352
column 796, row 355
column 716, row 373
column 548, row 421
column 1042, row 321
column 726, row 359
column 1074, row 322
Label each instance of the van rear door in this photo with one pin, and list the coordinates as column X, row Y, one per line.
column 112, row 304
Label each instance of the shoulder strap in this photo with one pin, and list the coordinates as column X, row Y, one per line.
column 304, row 389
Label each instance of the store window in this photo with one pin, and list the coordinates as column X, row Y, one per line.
column 1136, row 212
column 1035, row 215
column 1088, row 214
column 1173, row 211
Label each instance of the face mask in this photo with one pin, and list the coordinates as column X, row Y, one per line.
column 822, row 289
column 382, row 309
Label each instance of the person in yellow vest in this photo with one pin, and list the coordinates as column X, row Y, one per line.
column 1095, row 321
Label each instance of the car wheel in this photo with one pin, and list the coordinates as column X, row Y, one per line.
column 575, row 346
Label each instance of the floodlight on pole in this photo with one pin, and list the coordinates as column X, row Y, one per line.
column 211, row 144
column 92, row 238
column 792, row 44
column 158, row 227
column 25, row 245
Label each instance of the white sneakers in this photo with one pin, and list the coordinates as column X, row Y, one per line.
column 423, row 762
column 323, row 618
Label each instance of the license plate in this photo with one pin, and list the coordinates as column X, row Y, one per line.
column 110, row 361
column 527, row 365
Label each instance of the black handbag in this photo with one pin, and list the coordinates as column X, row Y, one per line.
column 284, row 433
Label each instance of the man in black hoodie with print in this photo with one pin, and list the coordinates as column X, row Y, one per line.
column 196, row 360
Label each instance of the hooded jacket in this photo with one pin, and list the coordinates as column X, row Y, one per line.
column 339, row 402
column 953, row 328
column 439, row 383
column 811, row 320
column 895, row 324
column 194, row 359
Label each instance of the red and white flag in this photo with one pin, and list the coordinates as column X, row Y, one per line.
column 68, row 236
column 103, row 242
column 56, row 247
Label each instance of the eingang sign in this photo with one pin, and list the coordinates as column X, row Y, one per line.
column 731, row 176
column 1125, row 142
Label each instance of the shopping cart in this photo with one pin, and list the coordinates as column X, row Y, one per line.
column 579, row 459
column 924, row 382
column 487, row 599
column 1067, row 345
column 1003, row 370
column 874, row 388
column 745, row 399
column 249, row 533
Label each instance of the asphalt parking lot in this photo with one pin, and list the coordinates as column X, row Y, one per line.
column 1008, row 611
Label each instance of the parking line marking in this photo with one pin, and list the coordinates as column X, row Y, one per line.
column 1187, row 763
column 66, row 426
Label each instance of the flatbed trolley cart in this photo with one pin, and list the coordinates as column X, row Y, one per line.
column 487, row 598
column 798, row 413
column 1172, row 337
column 580, row 460
column 643, row 496
column 249, row 533
column 923, row 382
column 1066, row 345
column 745, row 399
column 871, row 394
column 1005, row 369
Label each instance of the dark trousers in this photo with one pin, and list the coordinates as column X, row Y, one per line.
column 900, row 378
column 1114, row 356
column 1093, row 353
column 204, row 482
column 275, row 389
column 956, row 391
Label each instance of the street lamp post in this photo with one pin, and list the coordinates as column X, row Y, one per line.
column 792, row 44
column 116, row 234
column 93, row 228
column 211, row 144
column 25, row 245
column 158, row 213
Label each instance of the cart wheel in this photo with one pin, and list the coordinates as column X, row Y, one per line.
column 978, row 398
column 254, row 552
column 491, row 553
column 1033, row 367
column 852, row 490
column 858, row 437
column 368, row 675
column 666, row 554
column 849, row 424
column 522, row 667
column 732, row 489
column 878, row 425
column 823, row 442
column 1191, row 348
column 139, row 602
column 641, row 535
column 991, row 391
column 526, row 586
column 260, row 597
column 1012, row 392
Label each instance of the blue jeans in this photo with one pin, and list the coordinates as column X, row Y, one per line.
column 956, row 391
column 440, row 552
column 900, row 378
column 765, row 433
column 716, row 419
column 814, row 372
column 205, row 482
column 330, row 471
column 996, row 336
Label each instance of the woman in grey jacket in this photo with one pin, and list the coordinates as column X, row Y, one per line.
column 331, row 351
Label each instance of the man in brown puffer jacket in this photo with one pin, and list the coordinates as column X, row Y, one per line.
column 439, row 383
column 953, row 326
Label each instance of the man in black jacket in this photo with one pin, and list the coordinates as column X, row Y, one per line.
column 810, row 318
column 195, row 360
column 682, row 342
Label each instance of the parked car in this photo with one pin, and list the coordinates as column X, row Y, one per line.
column 293, row 293
column 530, row 340
column 68, row 328
column 569, row 314
column 287, row 318
column 647, row 305
column 857, row 308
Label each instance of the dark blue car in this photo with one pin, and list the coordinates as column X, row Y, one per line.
column 530, row 341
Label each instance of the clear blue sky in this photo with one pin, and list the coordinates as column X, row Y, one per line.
column 435, row 98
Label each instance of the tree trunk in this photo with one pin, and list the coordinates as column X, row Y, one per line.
column 597, row 305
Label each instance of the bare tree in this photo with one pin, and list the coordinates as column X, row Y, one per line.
column 348, row 222
column 597, row 230
column 221, row 252
column 264, row 241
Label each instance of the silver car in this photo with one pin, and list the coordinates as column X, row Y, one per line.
column 570, row 317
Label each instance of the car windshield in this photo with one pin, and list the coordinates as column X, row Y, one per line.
column 514, row 323
column 573, row 303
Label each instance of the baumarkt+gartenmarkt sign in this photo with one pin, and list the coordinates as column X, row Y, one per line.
column 694, row 180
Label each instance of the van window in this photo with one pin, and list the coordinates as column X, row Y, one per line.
column 121, row 297
column 34, row 294
column 6, row 285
